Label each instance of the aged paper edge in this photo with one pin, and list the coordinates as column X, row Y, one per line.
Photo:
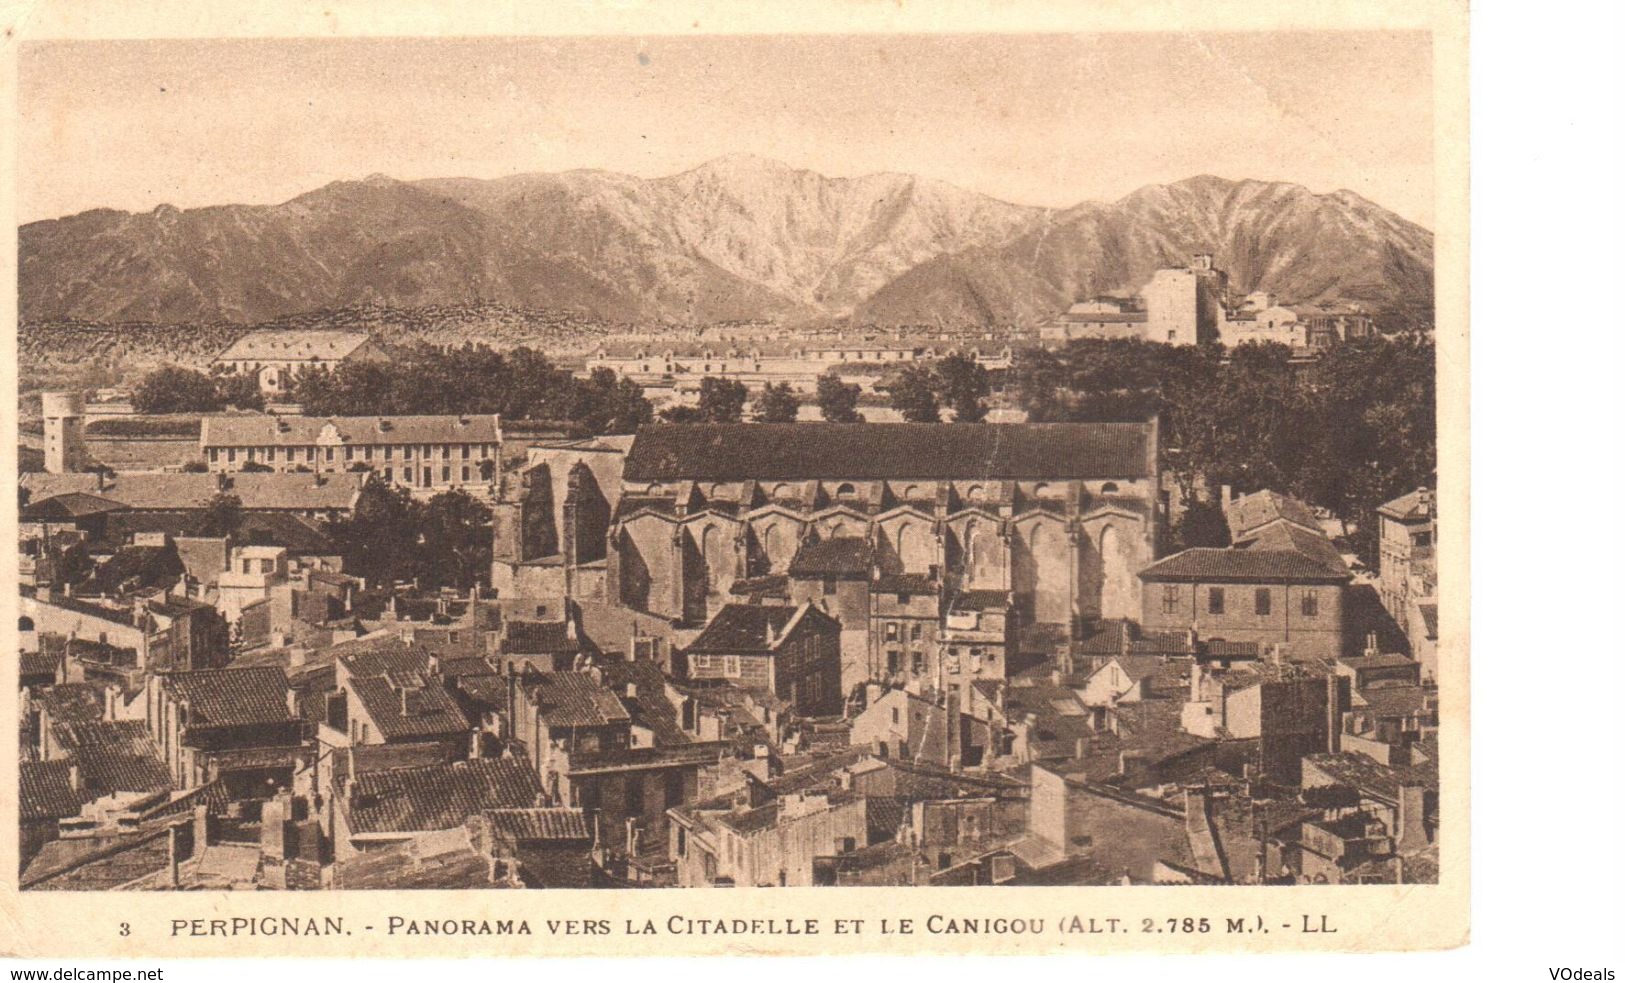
column 1374, row 918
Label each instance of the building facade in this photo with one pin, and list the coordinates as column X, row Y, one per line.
column 277, row 358
column 426, row 454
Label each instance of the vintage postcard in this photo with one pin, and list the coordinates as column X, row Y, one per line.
column 648, row 479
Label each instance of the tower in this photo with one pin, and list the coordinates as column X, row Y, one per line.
column 64, row 415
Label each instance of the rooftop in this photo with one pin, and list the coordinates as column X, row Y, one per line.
column 232, row 697
column 439, row 796
column 300, row 346
column 575, row 699
column 1206, row 564
column 880, row 451
column 838, row 556
column 754, row 628
column 1261, row 508
column 263, row 430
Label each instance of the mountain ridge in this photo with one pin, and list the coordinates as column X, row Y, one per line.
column 736, row 237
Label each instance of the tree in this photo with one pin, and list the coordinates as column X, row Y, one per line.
column 223, row 516
column 241, row 390
column 256, row 467
column 379, row 539
column 1203, row 524
column 682, row 414
column 194, row 467
column 722, row 400
column 172, row 389
column 837, row 400
column 778, row 404
column 914, row 394
column 963, row 387
column 455, row 538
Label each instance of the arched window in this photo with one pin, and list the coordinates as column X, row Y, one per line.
column 1043, row 490
column 782, row 490
column 25, row 623
column 976, row 493
column 1109, row 488
column 911, row 493
column 846, row 489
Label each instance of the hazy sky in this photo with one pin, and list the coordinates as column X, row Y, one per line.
column 1037, row 119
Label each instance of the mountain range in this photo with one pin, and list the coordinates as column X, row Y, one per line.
column 738, row 237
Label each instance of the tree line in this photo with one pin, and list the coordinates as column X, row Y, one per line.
column 1347, row 432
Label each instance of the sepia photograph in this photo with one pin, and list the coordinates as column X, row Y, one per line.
column 760, row 460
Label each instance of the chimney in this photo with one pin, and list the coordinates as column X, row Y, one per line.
column 570, row 629
column 293, row 703
column 73, row 777
column 1412, row 830
column 175, row 858
column 405, row 710
column 1371, row 649
column 631, row 691
column 474, row 745
column 1224, row 495
column 200, row 829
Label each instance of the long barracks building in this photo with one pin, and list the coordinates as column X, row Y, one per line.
column 424, row 453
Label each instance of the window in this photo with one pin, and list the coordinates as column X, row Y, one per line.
column 288, row 455
column 330, row 453
column 894, row 661
column 917, row 663
column 389, row 474
column 406, row 452
column 349, row 453
column 1309, row 604
column 214, row 453
column 389, row 452
column 1170, row 599
column 466, row 451
column 366, row 452
column 465, row 472
column 894, row 715
column 1261, row 601
column 914, row 631
column 445, row 475
column 407, row 474
column 731, row 665
column 231, row 454
column 1215, row 600
column 891, row 631
column 846, row 490
column 310, row 453
column 702, row 662
column 1109, row 488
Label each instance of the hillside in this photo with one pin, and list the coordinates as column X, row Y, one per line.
column 737, row 238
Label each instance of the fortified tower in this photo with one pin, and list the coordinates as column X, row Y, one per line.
column 64, row 415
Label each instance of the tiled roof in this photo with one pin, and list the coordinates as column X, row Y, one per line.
column 265, row 430
column 47, row 791
column 1386, row 660
column 39, row 664
column 400, row 693
column 1249, row 512
column 539, row 824
column 834, row 557
column 444, row 860
column 720, row 452
column 257, row 490
column 649, row 707
column 73, row 505
column 575, row 699
column 232, row 697
column 1400, row 701
column 1369, row 776
column 409, row 705
column 980, row 600
column 439, row 796
column 754, row 628
column 71, row 702
column 904, row 583
column 1430, row 618
column 1410, row 507
column 1312, row 544
column 540, row 638
column 646, row 758
column 767, row 585
column 1245, row 566
column 292, row 346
